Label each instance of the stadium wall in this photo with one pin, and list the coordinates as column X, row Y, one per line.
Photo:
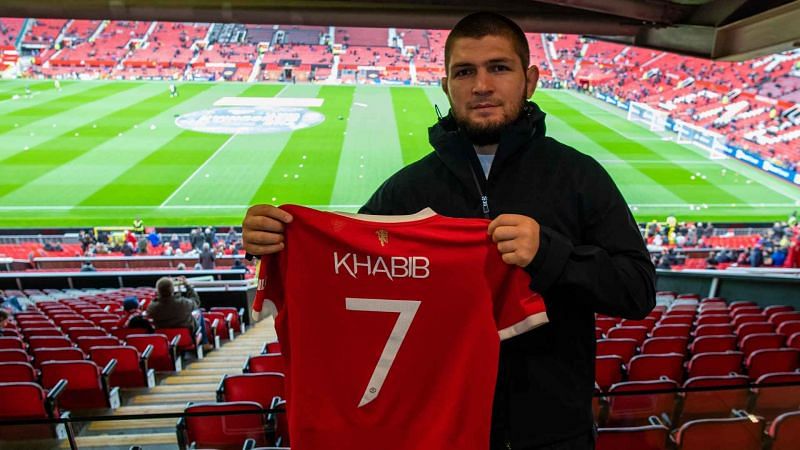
column 762, row 288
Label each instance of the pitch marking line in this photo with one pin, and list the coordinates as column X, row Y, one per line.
column 185, row 182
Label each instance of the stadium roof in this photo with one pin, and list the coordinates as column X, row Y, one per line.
column 717, row 29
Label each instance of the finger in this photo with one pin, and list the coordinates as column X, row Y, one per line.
column 506, row 246
column 505, row 233
column 259, row 250
column 263, row 223
column 504, row 220
column 262, row 238
column 270, row 211
column 510, row 258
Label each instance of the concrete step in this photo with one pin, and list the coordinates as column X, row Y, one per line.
column 183, row 388
column 115, row 440
column 141, row 424
column 186, row 380
column 182, row 398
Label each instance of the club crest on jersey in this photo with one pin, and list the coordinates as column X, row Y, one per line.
column 383, row 237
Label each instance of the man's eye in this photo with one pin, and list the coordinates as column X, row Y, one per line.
column 500, row 68
column 463, row 72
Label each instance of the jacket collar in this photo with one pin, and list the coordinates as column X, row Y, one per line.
column 454, row 149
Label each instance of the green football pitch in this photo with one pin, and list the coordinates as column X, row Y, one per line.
column 102, row 153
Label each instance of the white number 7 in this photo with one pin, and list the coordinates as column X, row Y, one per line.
column 407, row 310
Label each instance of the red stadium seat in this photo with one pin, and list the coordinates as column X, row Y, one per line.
column 748, row 310
column 748, row 318
column 261, row 388
column 794, row 341
column 223, row 329
column 164, row 356
column 742, row 304
column 636, row 333
column 85, row 343
column 788, row 327
column 57, row 354
column 87, row 384
column 656, row 367
column 12, row 332
column 713, row 319
column 636, row 410
column 7, row 342
column 760, row 341
column 29, row 401
column 648, row 322
column 772, row 309
column 780, row 317
column 70, row 324
column 13, row 355
column 187, row 341
column 715, row 364
column 233, row 315
column 48, row 342
column 75, row 333
column 740, row 433
column 706, row 404
column 608, row 371
column 785, row 431
column 271, row 347
column 42, row 332
column 11, row 372
column 123, row 333
column 761, row 362
column 712, row 330
column 671, row 331
column 623, row 347
column 772, row 401
column 221, row 431
column 720, row 343
column 271, row 362
column 131, row 369
column 746, row 329
column 648, row 437
column 661, row 345
column 677, row 320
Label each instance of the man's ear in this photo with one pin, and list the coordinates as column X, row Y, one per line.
column 532, row 80
column 444, row 87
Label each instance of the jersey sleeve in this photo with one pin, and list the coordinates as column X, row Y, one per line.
column 270, row 285
column 517, row 309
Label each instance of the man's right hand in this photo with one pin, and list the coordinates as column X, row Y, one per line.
column 262, row 229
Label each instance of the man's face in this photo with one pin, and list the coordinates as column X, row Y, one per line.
column 487, row 86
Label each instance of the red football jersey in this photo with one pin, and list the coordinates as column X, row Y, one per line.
column 390, row 327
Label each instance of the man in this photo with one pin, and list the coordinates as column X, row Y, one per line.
column 173, row 309
column 555, row 212
column 206, row 258
column 4, row 319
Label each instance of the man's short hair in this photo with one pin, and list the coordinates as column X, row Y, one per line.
column 165, row 287
column 3, row 314
column 481, row 24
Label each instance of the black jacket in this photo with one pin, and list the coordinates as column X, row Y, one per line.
column 591, row 259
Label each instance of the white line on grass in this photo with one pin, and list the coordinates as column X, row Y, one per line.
column 185, row 182
column 657, row 161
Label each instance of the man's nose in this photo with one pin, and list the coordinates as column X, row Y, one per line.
column 483, row 83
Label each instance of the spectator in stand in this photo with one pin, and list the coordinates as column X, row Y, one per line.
column 141, row 246
column 138, row 226
column 174, row 305
column 154, row 238
column 711, row 261
column 133, row 317
column 210, row 235
column 87, row 266
column 174, row 241
column 196, row 238
column 207, row 257
column 756, row 256
column 4, row 318
column 127, row 249
column 778, row 257
column 239, row 265
column 231, row 237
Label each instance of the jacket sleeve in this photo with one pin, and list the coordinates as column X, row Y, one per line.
column 610, row 268
column 191, row 294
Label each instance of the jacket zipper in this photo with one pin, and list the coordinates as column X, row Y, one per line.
column 484, row 197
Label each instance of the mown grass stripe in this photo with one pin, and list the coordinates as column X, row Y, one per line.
column 59, row 105
column 413, row 114
column 21, row 168
column 287, row 181
column 675, row 177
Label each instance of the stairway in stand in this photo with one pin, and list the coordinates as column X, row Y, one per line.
column 196, row 383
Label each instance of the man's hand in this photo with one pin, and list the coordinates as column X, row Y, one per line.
column 517, row 238
column 262, row 229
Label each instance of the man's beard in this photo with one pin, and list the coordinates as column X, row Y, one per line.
column 487, row 134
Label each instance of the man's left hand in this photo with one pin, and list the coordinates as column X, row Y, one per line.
column 517, row 238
